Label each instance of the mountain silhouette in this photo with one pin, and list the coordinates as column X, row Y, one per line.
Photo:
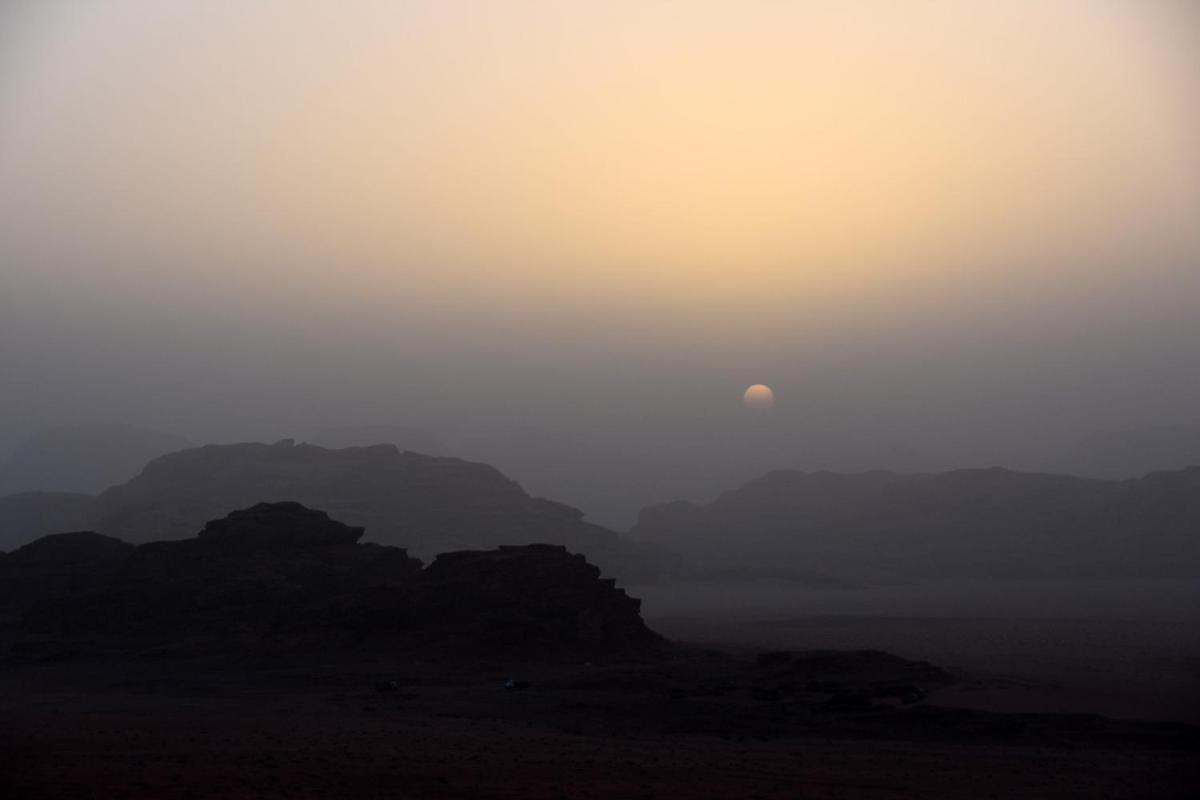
column 967, row 523
column 427, row 504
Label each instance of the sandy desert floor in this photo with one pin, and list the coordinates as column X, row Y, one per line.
column 130, row 747
column 1130, row 669
column 86, row 730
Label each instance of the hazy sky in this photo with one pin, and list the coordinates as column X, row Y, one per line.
column 955, row 226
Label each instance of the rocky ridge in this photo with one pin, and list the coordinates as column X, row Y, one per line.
column 280, row 575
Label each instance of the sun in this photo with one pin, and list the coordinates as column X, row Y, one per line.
column 759, row 397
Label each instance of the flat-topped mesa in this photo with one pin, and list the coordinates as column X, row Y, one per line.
column 272, row 526
column 428, row 500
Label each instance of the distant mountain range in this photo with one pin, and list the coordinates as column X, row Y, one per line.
column 822, row 527
column 989, row 523
column 1133, row 452
column 613, row 480
column 426, row 504
column 609, row 478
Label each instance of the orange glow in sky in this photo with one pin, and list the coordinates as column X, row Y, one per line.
column 668, row 160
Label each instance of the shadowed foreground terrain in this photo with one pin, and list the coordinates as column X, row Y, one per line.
column 688, row 725
column 275, row 655
column 429, row 741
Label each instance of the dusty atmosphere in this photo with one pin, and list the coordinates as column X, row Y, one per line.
column 452, row 398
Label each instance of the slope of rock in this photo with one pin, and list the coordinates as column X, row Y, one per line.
column 550, row 594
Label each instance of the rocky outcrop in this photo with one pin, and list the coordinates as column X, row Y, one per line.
column 991, row 523
column 424, row 503
column 273, row 528
column 240, row 574
column 547, row 593
column 56, row 566
column 418, row 440
column 280, row 574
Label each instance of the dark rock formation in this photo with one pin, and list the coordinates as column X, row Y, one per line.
column 547, row 593
column 971, row 523
column 60, row 565
column 425, row 503
column 239, row 575
column 403, row 437
column 274, row 528
column 280, row 575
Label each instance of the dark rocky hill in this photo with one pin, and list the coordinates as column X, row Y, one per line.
column 60, row 565
column 968, row 523
column 550, row 594
column 282, row 575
